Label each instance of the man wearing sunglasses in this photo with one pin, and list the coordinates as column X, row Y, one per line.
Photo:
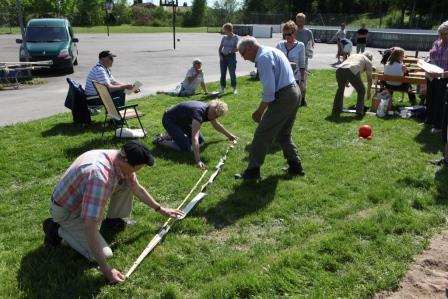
column 101, row 72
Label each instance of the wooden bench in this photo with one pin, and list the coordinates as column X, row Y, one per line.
column 378, row 78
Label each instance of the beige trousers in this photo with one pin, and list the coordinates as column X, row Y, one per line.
column 72, row 227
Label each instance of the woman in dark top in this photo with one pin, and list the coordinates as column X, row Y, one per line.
column 436, row 83
column 183, row 122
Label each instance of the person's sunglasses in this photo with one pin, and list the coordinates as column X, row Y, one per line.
column 289, row 34
column 111, row 58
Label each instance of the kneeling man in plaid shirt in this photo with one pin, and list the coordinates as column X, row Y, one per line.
column 79, row 199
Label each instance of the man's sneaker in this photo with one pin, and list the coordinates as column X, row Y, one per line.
column 94, row 111
column 439, row 162
column 295, row 169
column 50, row 228
column 303, row 103
column 221, row 91
column 249, row 174
column 235, row 91
column 157, row 139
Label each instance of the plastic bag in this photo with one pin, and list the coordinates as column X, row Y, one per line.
column 382, row 108
column 129, row 133
column 376, row 99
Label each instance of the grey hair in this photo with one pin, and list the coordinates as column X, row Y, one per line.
column 197, row 61
column 443, row 27
column 247, row 42
column 220, row 106
column 368, row 55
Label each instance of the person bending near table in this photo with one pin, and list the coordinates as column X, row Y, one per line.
column 350, row 72
column 183, row 123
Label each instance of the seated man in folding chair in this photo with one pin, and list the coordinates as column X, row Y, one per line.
column 101, row 72
column 79, row 200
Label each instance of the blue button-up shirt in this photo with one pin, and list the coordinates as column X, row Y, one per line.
column 274, row 70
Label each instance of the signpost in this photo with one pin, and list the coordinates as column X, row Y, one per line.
column 108, row 6
column 174, row 4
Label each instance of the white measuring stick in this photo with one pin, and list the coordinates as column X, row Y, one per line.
column 162, row 232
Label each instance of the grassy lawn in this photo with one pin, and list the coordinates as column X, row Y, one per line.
column 119, row 29
column 349, row 228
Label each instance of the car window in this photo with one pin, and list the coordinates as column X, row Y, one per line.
column 46, row 34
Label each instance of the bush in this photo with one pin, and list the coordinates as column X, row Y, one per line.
column 150, row 17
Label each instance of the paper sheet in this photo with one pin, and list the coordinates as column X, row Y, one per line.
column 428, row 67
column 137, row 85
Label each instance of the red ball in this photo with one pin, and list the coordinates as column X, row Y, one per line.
column 365, row 131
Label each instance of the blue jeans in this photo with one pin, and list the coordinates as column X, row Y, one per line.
column 181, row 134
column 228, row 61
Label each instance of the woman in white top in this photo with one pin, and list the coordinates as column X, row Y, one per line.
column 295, row 52
column 395, row 67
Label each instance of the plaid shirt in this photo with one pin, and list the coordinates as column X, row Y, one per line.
column 89, row 182
column 439, row 55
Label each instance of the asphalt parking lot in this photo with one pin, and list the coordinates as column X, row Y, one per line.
column 148, row 58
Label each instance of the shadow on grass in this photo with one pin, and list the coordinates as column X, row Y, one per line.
column 441, row 177
column 97, row 143
column 339, row 119
column 72, row 129
column 181, row 157
column 57, row 273
column 246, row 198
column 431, row 143
column 273, row 149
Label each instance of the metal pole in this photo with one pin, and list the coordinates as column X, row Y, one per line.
column 22, row 31
column 174, row 25
column 107, row 23
column 20, row 17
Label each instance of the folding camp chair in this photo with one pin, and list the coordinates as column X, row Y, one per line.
column 117, row 114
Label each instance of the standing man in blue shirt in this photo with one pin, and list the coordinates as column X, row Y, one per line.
column 277, row 110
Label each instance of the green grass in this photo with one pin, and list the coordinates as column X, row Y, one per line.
column 349, row 228
column 119, row 29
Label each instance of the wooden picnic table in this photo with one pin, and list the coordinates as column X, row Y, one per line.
column 419, row 80
column 410, row 59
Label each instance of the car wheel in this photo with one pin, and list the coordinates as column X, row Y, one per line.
column 76, row 62
column 70, row 70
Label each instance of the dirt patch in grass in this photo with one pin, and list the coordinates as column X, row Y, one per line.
column 428, row 275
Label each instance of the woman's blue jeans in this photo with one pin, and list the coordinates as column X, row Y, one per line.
column 228, row 62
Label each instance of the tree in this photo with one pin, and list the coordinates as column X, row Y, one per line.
column 89, row 12
column 225, row 11
column 197, row 12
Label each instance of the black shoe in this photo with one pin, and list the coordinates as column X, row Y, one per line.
column 439, row 162
column 116, row 224
column 52, row 238
column 303, row 103
column 294, row 169
column 249, row 174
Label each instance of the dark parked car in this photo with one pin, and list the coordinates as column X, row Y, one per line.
column 50, row 39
